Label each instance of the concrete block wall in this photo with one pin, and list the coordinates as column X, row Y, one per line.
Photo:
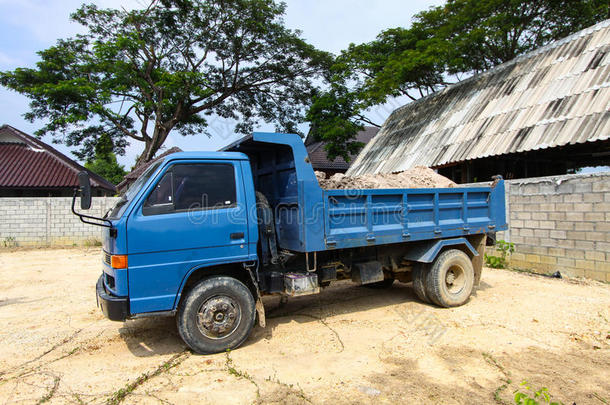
column 561, row 223
column 48, row 221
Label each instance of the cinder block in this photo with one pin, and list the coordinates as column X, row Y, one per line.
column 565, row 188
column 517, row 207
column 582, row 187
column 594, row 216
column 540, row 215
column 575, row 235
column 557, row 251
column 595, row 255
column 516, row 223
column 603, row 246
column 517, row 256
column 524, row 215
column 564, row 207
column 548, row 260
column 526, row 232
column 583, row 226
column 532, row 258
column 531, row 188
column 573, row 198
column 602, row 226
column 537, row 199
column 601, row 185
column 585, row 245
column 541, row 233
column 566, row 262
column 532, row 207
column 575, row 216
column 593, row 197
column 583, row 207
column 547, row 224
column 585, row 264
column 547, row 242
column 517, row 239
column 575, row 254
column 595, row 236
column 602, row 207
column 558, row 234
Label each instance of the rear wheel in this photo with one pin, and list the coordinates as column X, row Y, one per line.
column 450, row 280
column 419, row 281
column 217, row 314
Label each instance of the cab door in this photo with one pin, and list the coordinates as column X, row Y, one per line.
column 194, row 215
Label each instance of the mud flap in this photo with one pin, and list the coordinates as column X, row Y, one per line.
column 260, row 310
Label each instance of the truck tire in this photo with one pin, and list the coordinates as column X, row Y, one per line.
column 450, row 280
column 419, row 282
column 217, row 314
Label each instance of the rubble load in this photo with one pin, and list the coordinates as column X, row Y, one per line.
column 416, row 177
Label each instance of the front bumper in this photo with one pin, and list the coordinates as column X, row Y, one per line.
column 114, row 308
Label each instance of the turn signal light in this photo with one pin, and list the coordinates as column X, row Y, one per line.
column 118, row 261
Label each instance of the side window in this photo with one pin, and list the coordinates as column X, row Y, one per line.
column 193, row 187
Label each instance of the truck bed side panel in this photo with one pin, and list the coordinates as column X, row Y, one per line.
column 372, row 217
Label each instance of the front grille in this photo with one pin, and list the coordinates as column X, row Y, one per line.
column 106, row 258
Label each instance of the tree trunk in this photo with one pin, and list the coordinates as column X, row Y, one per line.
column 152, row 145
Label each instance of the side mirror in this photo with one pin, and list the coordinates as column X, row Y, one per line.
column 85, row 190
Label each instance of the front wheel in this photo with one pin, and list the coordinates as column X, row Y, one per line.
column 450, row 280
column 217, row 314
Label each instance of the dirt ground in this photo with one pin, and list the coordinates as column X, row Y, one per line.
column 347, row 345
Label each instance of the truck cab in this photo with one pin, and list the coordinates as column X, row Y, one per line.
column 202, row 236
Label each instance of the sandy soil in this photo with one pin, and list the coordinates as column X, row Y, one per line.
column 348, row 345
column 416, row 177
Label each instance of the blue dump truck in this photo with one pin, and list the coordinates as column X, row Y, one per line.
column 202, row 236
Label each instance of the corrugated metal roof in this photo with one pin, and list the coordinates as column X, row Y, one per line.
column 28, row 162
column 319, row 158
column 553, row 96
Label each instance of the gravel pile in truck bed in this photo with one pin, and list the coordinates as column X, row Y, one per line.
column 417, row 177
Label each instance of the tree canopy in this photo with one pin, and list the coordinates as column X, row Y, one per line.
column 104, row 163
column 140, row 74
column 443, row 45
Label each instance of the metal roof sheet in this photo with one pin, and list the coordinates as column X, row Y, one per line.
column 28, row 162
column 555, row 95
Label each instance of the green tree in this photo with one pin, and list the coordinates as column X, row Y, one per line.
column 140, row 74
column 105, row 163
column 443, row 45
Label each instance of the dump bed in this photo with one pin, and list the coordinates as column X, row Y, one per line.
column 363, row 217
column 310, row 219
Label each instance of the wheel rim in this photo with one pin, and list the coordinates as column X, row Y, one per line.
column 218, row 317
column 455, row 279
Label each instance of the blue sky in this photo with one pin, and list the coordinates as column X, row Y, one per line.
column 27, row 26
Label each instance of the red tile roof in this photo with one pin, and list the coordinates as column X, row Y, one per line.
column 28, row 162
column 319, row 159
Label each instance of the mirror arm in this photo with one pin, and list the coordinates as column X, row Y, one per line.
column 82, row 217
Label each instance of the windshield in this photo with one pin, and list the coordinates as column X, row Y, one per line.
column 121, row 205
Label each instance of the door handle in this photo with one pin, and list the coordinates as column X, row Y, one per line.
column 237, row 235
